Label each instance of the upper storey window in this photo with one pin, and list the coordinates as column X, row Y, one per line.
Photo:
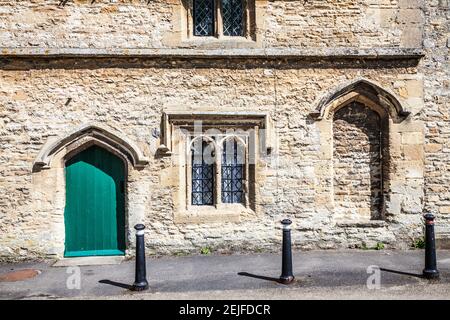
column 221, row 18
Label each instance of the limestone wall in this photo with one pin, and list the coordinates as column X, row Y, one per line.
column 347, row 23
column 436, row 114
column 160, row 24
column 43, row 98
column 54, row 98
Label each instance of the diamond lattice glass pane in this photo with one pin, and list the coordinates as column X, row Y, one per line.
column 237, row 172
column 238, row 197
column 226, row 185
column 202, row 178
column 208, row 171
column 196, row 199
column 207, row 198
column 233, row 21
column 232, row 172
column 203, row 17
column 196, row 186
column 226, row 172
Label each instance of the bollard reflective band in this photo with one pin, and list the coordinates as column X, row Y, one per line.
column 140, row 232
column 286, row 227
column 429, row 222
column 286, row 224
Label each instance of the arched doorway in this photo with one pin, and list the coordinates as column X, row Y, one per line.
column 95, row 204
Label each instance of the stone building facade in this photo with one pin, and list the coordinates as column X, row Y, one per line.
column 341, row 109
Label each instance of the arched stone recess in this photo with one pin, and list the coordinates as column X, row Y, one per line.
column 89, row 134
column 49, row 185
column 368, row 140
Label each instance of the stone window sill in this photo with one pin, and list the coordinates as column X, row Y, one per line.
column 362, row 224
column 218, row 43
column 212, row 214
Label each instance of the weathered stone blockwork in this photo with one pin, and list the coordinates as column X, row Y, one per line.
column 42, row 98
column 436, row 113
column 357, row 163
column 155, row 24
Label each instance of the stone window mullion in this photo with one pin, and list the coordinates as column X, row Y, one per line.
column 219, row 19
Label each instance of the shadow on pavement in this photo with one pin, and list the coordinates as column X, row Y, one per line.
column 246, row 274
column 117, row 284
column 402, row 273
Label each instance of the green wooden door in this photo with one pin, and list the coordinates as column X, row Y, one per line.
column 95, row 211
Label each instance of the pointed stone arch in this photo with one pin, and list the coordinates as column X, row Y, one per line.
column 87, row 135
column 364, row 91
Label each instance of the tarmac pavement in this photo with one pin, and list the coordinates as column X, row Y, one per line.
column 319, row 275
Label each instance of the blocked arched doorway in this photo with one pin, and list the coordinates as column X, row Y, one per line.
column 364, row 143
column 94, row 214
column 360, row 161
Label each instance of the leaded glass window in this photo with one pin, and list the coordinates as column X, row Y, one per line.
column 232, row 172
column 202, row 174
column 204, row 17
column 233, row 17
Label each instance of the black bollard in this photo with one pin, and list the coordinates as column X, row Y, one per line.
column 286, row 269
column 140, row 282
column 430, row 271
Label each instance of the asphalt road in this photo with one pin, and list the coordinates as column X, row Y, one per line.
column 319, row 275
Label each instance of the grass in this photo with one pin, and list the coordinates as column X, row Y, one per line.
column 181, row 253
column 418, row 243
column 378, row 246
column 205, row 250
